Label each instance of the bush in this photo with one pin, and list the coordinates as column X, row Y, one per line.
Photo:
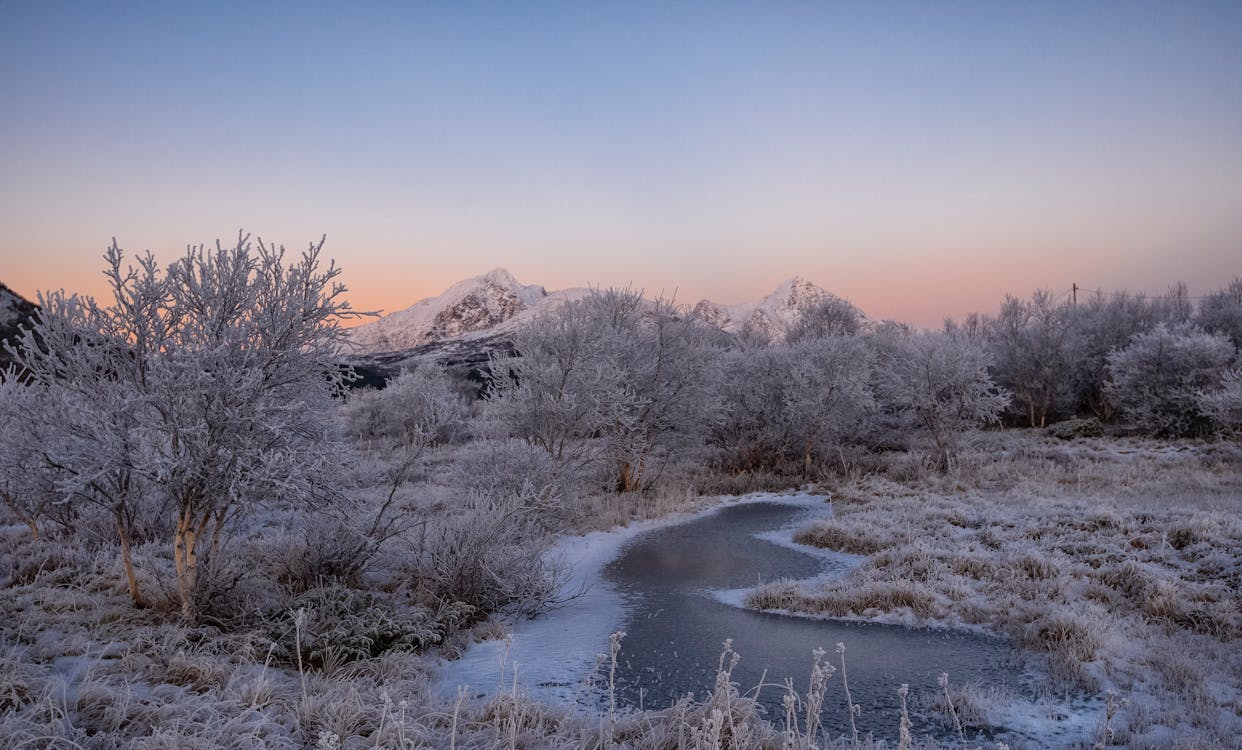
column 489, row 554
column 1070, row 429
column 1223, row 406
column 419, row 408
column 1157, row 379
column 334, row 625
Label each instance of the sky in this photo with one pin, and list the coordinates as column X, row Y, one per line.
column 920, row 159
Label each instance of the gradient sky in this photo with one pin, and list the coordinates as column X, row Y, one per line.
column 920, row 159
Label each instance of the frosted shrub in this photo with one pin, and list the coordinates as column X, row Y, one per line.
column 26, row 487
column 518, row 473
column 419, row 408
column 1157, row 379
column 1069, row 429
column 317, row 551
column 334, row 625
column 937, row 384
column 489, row 554
column 1223, row 405
column 793, row 405
column 610, row 379
column 1221, row 312
column 1100, row 325
column 830, row 317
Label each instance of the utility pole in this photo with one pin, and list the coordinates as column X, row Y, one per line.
column 1075, row 294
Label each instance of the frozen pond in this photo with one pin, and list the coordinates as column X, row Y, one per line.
column 675, row 590
column 676, row 620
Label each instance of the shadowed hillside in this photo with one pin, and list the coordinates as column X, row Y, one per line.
column 15, row 311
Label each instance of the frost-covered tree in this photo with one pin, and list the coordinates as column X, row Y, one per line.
column 669, row 370
column 831, row 316
column 1223, row 405
column 790, row 404
column 25, row 478
column 937, row 383
column 420, row 408
column 1156, row 381
column 1100, row 325
column 206, row 387
column 1031, row 347
column 1221, row 312
column 554, row 390
column 85, row 366
column 610, row 378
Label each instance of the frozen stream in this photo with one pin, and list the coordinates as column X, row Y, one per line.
column 675, row 589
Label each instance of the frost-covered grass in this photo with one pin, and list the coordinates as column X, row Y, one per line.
column 81, row 668
column 313, row 641
column 1117, row 561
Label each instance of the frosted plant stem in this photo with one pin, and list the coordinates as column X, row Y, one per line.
column 957, row 723
column 461, row 698
column 849, row 701
column 503, row 656
column 513, row 710
column 614, row 648
column 903, row 729
column 1112, row 705
column 379, row 732
column 298, row 619
column 790, row 702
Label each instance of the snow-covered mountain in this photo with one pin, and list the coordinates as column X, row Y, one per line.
column 496, row 303
column 770, row 317
column 490, row 304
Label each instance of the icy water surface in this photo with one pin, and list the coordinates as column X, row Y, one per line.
column 675, row 589
column 676, row 621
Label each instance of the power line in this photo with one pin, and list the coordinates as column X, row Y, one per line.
column 1105, row 293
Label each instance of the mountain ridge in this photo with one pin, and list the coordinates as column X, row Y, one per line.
column 496, row 303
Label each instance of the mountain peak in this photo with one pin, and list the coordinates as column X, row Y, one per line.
column 770, row 317
column 499, row 276
column 796, row 292
column 475, row 304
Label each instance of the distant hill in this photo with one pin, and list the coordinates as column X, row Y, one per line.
column 15, row 311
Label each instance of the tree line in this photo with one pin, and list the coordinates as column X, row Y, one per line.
column 209, row 391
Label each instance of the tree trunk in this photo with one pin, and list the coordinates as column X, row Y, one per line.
column 625, row 478
column 29, row 520
column 213, row 554
column 127, row 560
column 186, row 561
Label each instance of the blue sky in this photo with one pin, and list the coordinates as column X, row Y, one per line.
column 919, row 158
